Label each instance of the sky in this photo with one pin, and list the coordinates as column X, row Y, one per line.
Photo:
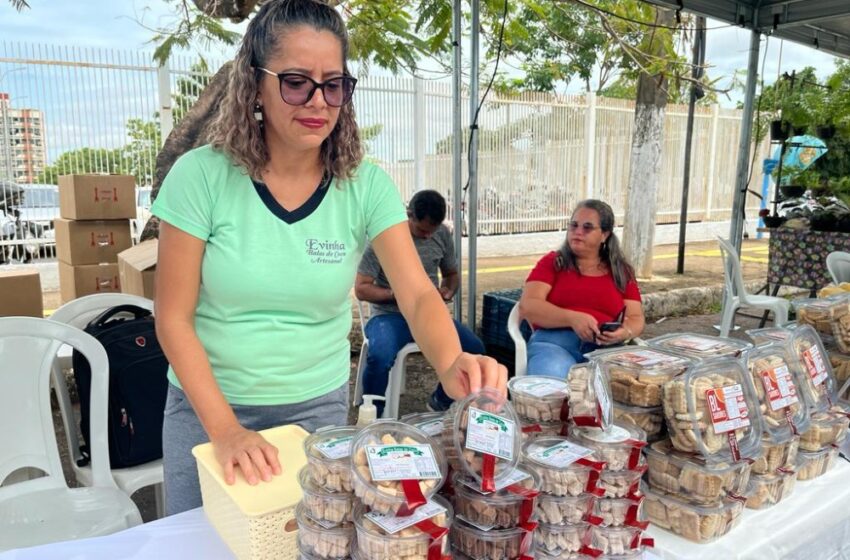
column 125, row 26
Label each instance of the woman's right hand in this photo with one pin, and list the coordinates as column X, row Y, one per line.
column 250, row 452
column 584, row 325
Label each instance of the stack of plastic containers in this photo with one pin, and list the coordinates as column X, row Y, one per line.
column 637, row 376
column 494, row 496
column 395, row 471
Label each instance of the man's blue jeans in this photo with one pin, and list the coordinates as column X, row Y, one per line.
column 553, row 352
column 387, row 334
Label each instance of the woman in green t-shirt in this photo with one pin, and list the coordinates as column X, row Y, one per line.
column 260, row 236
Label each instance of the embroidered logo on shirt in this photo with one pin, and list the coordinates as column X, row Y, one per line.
column 325, row 251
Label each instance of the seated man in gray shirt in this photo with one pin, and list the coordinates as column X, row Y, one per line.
column 387, row 331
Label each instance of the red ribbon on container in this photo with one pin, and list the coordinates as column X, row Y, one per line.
column 529, row 495
column 737, row 497
column 488, row 473
column 733, row 445
column 638, row 541
column 596, row 467
column 531, row 428
column 635, row 455
column 565, row 429
column 588, row 551
column 590, row 421
column 435, row 538
column 785, row 470
column 527, row 539
column 565, row 410
column 790, row 418
column 413, row 496
column 632, row 517
column 594, row 520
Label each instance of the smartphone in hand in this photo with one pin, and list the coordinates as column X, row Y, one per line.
column 610, row 326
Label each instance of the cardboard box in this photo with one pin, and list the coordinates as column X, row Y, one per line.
column 97, row 197
column 20, row 293
column 86, row 279
column 91, row 241
column 137, row 269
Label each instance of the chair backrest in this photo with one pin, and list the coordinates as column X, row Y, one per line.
column 28, row 347
column 838, row 264
column 78, row 313
column 732, row 277
column 364, row 311
column 520, row 355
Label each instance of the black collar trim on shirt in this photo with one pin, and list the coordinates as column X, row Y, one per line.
column 300, row 213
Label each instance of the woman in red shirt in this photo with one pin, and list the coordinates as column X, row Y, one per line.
column 573, row 291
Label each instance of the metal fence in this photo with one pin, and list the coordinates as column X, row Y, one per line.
column 107, row 111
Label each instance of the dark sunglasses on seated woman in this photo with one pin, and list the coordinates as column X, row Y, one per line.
column 298, row 89
column 587, row 227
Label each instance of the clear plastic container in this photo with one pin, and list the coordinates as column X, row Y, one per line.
column 692, row 478
column 769, row 489
column 328, row 453
column 618, row 447
column 615, row 540
column 320, row 541
column 387, row 443
column 636, row 374
column 561, row 474
column 813, row 465
column 825, row 429
column 531, row 429
column 323, row 506
column 782, row 406
column 541, row 554
column 707, row 405
column 485, row 428
column 815, row 378
column 564, row 510
column 375, row 543
column 700, row 346
column 590, row 396
column 650, row 420
column 776, row 456
column 840, row 365
column 769, row 334
column 827, row 315
column 539, row 398
column 490, row 545
column 619, row 484
column 497, row 510
column 429, row 422
column 619, row 512
column 696, row 523
column 558, row 540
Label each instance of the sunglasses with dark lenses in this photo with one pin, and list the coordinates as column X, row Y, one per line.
column 587, row 227
column 298, row 89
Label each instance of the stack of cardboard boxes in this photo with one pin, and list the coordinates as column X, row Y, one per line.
column 94, row 227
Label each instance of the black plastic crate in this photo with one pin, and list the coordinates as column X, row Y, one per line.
column 494, row 319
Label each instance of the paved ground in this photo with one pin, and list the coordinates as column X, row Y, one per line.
column 703, row 267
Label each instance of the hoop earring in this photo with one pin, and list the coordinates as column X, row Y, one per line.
column 258, row 113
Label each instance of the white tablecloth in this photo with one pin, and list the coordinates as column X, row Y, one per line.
column 812, row 524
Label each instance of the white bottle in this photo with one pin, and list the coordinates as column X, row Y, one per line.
column 367, row 412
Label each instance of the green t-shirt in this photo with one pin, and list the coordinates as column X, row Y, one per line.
column 274, row 310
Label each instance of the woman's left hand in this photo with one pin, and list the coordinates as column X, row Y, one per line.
column 613, row 337
column 472, row 372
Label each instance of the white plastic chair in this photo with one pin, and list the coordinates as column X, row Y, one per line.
column 838, row 264
column 736, row 295
column 79, row 313
column 45, row 510
column 397, row 378
column 521, row 352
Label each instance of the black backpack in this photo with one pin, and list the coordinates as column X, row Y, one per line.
column 137, row 385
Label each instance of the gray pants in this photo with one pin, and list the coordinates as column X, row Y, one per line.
column 181, row 431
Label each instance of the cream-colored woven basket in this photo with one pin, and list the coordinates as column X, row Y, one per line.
column 256, row 522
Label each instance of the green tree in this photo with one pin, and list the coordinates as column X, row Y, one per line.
column 84, row 160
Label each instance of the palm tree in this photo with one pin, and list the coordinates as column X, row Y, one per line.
column 19, row 4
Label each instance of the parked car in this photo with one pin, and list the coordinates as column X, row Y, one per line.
column 143, row 211
column 20, row 238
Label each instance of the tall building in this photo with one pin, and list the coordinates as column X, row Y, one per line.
column 22, row 150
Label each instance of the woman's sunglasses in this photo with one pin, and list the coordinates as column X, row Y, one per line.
column 587, row 227
column 298, row 89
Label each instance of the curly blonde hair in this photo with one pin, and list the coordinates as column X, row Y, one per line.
column 237, row 133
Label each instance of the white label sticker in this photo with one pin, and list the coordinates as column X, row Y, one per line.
column 728, row 408
column 431, row 427
column 402, row 462
column 516, row 475
column 490, row 433
column 335, row 448
column 696, row 343
column 647, row 358
column 561, row 455
column 814, row 365
column 603, row 398
column 779, row 387
column 393, row 525
column 543, row 387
